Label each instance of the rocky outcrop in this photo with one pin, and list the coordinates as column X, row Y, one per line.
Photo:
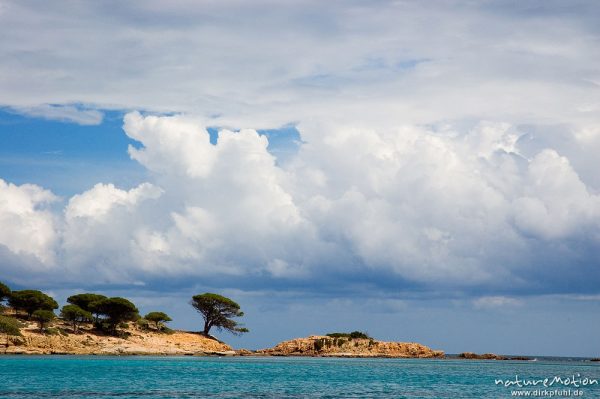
column 485, row 356
column 489, row 356
column 88, row 342
column 319, row 345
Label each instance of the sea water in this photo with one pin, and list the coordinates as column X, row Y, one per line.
column 92, row 377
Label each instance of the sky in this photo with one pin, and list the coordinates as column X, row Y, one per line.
column 422, row 171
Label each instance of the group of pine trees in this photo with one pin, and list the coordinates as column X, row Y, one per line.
column 107, row 314
column 104, row 313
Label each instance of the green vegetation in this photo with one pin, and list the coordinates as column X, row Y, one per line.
column 158, row 318
column 52, row 331
column 75, row 315
column 217, row 312
column 87, row 302
column 31, row 300
column 4, row 295
column 115, row 311
column 9, row 326
column 143, row 324
column 319, row 343
column 352, row 335
column 43, row 317
column 109, row 314
column 4, row 292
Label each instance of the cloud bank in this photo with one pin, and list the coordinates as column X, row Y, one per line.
column 267, row 64
column 401, row 209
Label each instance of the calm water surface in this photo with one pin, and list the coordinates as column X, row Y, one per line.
column 256, row 377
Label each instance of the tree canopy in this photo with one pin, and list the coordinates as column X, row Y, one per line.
column 85, row 301
column 116, row 310
column 158, row 318
column 75, row 315
column 217, row 312
column 353, row 334
column 88, row 302
column 43, row 317
column 31, row 300
column 4, row 292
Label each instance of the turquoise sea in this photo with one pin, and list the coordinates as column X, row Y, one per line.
column 274, row 377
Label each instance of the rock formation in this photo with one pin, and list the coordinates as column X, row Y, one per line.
column 489, row 356
column 88, row 342
column 319, row 345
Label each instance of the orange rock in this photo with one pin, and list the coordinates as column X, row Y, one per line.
column 87, row 342
column 319, row 345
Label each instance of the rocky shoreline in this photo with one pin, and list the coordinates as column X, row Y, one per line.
column 90, row 342
column 137, row 341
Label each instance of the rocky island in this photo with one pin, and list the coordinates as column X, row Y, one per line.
column 94, row 324
column 344, row 345
column 489, row 356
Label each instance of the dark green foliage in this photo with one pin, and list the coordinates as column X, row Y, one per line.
column 115, row 311
column 9, row 326
column 4, row 292
column 217, row 312
column 158, row 318
column 31, row 300
column 55, row 331
column 167, row 330
column 75, row 315
column 352, row 335
column 338, row 335
column 143, row 324
column 87, row 302
column 359, row 334
column 43, row 317
column 319, row 343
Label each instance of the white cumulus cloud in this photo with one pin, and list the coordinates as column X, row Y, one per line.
column 451, row 208
column 28, row 225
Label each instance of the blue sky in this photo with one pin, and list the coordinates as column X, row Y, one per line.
column 67, row 157
column 424, row 173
